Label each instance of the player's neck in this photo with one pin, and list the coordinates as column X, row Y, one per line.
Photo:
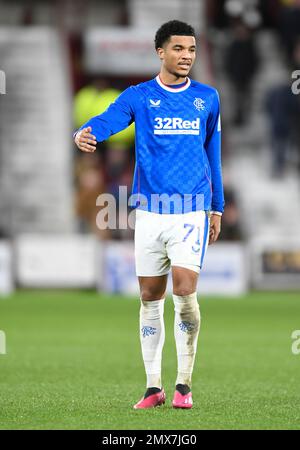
column 168, row 78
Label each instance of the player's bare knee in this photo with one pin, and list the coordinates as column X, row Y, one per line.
column 148, row 294
column 183, row 290
column 184, row 281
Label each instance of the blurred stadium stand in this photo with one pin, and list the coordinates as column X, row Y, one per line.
column 265, row 201
column 145, row 14
column 36, row 163
column 46, row 186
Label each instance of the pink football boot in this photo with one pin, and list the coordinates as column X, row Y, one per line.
column 151, row 401
column 182, row 401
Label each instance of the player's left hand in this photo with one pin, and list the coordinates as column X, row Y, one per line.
column 215, row 228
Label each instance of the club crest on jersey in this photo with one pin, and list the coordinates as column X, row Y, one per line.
column 199, row 104
column 154, row 103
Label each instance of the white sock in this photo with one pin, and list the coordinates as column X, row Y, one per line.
column 186, row 331
column 152, row 336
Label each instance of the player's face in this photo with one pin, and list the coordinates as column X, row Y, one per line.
column 178, row 55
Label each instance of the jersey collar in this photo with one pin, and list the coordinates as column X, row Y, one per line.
column 170, row 89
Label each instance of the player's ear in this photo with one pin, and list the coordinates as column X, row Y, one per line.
column 160, row 52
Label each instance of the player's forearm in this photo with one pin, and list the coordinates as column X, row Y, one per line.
column 217, row 204
column 217, row 188
column 100, row 128
column 114, row 119
column 214, row 158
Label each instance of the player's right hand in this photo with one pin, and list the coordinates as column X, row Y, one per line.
column 85, row 141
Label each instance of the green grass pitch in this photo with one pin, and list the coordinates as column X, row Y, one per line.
column 73, row 362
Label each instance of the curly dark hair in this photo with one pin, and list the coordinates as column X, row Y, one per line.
column 172, row 28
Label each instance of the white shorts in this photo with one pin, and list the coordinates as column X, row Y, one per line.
column 165, row 240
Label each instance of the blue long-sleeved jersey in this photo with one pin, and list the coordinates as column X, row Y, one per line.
column 177, row 144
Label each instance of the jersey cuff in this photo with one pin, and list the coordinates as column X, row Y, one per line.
column 216, row 213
